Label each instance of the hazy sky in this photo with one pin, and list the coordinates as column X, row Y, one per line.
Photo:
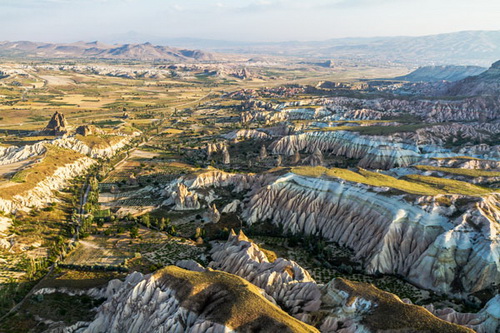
column 241, row 20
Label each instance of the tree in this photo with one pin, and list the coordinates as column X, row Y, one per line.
column 134, row 232
column 162, row 224
column 146, row 220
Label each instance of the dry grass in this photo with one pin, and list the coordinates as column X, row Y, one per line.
column 392, row 314
column 99, row 141
column 461, row 172
column 239, row 304
column 414, row 184
column 27, row 179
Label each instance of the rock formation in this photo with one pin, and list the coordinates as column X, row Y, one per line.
column 341, row 305
column 226, row 159
column 485, row 321
column 184, row 199
column 88, row 130
column 247, row 134
column 43, row 192
column 177, row 300
column 232, row 207
column 315, row 159
column 14, row 154
column 213, row 148
column 279, row 161
column 295, row 158
column 262, row 153
column 383, row 230
column 376, row 152
column 386, row 157
column 57, row 125
column 213, row 214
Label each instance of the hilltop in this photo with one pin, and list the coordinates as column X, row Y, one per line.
column 97, row 50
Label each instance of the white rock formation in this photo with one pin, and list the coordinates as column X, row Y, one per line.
column 14, row 154
column 485, row 321
column 43, row 192
column 232, row 207
column 185, row 199
column 176, row 300
column 289, row 284
column 100, row 152
column 226, row 158
column 389, row 234
column 339, row 306
column 247, row 134
column 386, row 157
column 213, row 214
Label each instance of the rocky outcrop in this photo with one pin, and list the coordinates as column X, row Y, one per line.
column 226, row 158
column 485, row 321
column 339, row 306
column 465, row 163
column 315, row 159
column 389, row 234
column 43, row 192
column 213, row 148
column 376, row 150
column 88, row 130
column 213, row 214
column 232, row 207
column 289, row 284
column 386, row 157
column 176, row 300
column 14, row 154
column 263, row 153
column 184, row 199
column 105, row 151
column 456, row 133
column 482, row 108
column 247, row 134
column 57, row 125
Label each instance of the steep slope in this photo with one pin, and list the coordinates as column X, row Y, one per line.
column 391, row 234
column 440, row 73
column 484, row 84
column 341, row 305
column 177, row 300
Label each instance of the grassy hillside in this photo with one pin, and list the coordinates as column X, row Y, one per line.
column 239, row 304
column 414, row 184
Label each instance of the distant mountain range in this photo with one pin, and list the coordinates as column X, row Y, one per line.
column 479, row 48
column 145, row 51
column 441, row 73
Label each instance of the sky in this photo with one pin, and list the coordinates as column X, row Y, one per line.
column 240, row 20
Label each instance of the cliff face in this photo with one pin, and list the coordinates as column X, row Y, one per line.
column 481, row 108
column 177, row 300
column 390, row 235
column 285, row 281
column 43, row 192
column 455, row 245
column 94, row 152
column 247, row 134
column 14, row 154
column 375, row 152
